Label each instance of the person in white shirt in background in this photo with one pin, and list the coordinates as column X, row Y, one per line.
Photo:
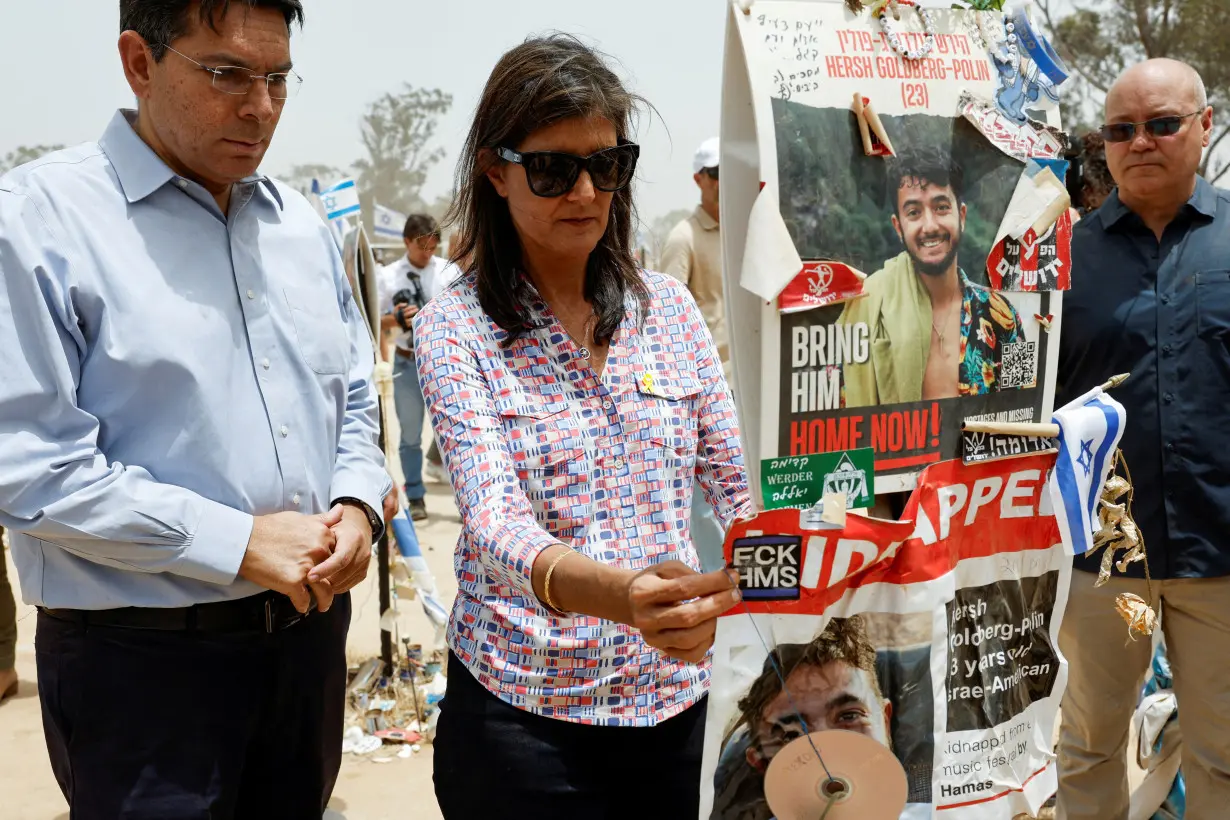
column 693, row 255
column 405, row 287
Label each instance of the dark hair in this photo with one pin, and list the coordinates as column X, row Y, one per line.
column 1088, row 174
column 541, row 82
column 161, row 21
column 419, row 226
column 843, row 639
column 930, row 165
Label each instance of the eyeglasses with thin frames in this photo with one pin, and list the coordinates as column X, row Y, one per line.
column 237, row 80
column 1156, row 128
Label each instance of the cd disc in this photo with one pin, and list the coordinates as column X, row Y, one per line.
column 867, row 781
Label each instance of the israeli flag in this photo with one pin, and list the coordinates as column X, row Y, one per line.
column 389, row 223
column 1089, row 432
column 340, row 200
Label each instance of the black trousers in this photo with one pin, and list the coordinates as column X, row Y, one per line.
column 157, row 725
column 495, row 760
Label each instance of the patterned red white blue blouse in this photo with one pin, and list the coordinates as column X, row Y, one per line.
column 543, row 450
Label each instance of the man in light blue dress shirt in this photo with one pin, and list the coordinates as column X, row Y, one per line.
column 189, row 462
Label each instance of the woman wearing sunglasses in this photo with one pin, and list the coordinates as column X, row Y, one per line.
column 576, row 399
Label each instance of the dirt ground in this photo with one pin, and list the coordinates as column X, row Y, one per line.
column 366, row 790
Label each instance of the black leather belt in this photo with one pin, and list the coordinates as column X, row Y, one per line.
column 267, row 612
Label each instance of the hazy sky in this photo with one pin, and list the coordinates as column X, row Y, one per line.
column 62, row 77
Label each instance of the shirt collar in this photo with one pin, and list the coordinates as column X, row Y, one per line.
column 1203, row 200
column 140, row 171
column 705, row 221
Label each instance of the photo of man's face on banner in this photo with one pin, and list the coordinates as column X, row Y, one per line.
column 867, row 673
column 928, row 337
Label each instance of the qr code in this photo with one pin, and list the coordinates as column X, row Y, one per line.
column 1019, row 365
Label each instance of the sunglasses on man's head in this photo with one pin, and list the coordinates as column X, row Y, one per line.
column 712, row 173
column 1156, row 128
column 553, row 173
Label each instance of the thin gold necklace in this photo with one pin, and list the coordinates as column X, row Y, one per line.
column 937, row 330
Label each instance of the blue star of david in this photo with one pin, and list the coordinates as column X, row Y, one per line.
column 1086, row 457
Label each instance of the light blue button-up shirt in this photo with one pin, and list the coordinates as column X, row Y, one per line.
column 167, row 372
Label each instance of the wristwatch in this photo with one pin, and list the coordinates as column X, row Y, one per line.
column 377, row 523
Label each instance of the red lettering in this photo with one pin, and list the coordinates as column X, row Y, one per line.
column 879, row 432
column 856, row 431
column 916, row 434
column 896, row 430
column 798, row 438
column 838, row 433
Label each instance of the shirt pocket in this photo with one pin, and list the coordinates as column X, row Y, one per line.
column 1213, row 303
column 320, row 332
column 548, row 453
column 671, row 409
column 669, row 435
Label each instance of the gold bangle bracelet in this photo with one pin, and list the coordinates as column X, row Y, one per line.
column 546, row 583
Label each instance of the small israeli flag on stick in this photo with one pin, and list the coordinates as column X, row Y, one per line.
column 389, row 223
column 340, row 200
column 1089, row 431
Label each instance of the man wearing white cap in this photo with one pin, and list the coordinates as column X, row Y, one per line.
column 693, row 255
column 693, row 252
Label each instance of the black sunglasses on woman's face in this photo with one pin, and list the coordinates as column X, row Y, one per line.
column 553, row 173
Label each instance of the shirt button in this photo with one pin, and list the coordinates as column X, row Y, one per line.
column 1170, row 446
column 1165, row 300
column 265, row 363
column 1168, row 398
column 295, row 499
column 618, row 462
column 183, row 183
column 1166, row 349
column 251, row 294
column 285, row 431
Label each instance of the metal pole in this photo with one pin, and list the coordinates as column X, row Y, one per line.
column 362, row 274
column 382, row 564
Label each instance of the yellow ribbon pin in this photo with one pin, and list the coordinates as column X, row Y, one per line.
column 647, row 382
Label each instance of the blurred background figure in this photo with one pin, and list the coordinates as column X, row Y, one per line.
column 693, row 252
column 1089, row 180
column 405, row 287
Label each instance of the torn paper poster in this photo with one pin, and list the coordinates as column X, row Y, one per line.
column 1039, row 199
column 929, row 342
column 770, row 261
column 939, row 634
column 820, row 284
column 1036, row 262
column 1021, row 141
